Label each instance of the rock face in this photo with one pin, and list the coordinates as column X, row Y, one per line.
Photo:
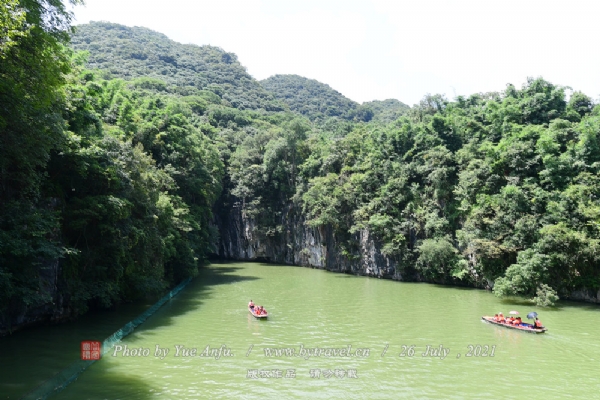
column 587, row 295
column 299, row 244
column 52, row 310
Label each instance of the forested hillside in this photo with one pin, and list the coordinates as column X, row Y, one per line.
column 117, row 166
column 318, row 101
column 309, row 97
column 386, row 111
column 494, row 190
column 130, row 53
column 107, row 185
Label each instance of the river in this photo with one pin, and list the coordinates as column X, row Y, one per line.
column 377, row 339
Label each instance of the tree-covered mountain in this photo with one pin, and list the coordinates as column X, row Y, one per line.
column 318, row 101
column 133, row 53
column 309, row 97
column 130, row 53
column 385, row 111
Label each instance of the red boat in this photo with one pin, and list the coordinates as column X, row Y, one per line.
column 526, row 328
column 257, row 315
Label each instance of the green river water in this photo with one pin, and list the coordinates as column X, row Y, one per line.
column 360, row 318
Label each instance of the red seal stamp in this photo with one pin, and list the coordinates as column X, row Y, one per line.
column 90, row 350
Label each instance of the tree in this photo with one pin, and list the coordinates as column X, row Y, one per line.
column 33, row 64
column 12, row 23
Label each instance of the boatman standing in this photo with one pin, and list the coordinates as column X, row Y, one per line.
column 251, row 304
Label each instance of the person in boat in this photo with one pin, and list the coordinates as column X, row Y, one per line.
column 518, row 321
column 496, row 318
column 501, row 318
column 538, row 324
column 251, row 304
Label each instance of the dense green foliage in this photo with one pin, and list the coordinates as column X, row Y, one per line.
column 499, row 189
column 32, row 68
column 115, row 179
column 115, row 171
column 108, row 185
column 137, row 181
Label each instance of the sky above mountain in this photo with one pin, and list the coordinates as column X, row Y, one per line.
column 379, row 49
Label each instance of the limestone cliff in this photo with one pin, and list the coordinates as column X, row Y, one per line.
column 299, row 244
column 53, row 308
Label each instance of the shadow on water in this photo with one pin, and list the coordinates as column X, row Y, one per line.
column 559, row 306
column 520, row 302
column 30, row 357
column 191, row 298
column 134, row 387
column 274, row 265
column 457, row 287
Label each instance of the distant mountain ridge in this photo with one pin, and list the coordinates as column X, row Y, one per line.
column 137, row 52
column 309, row 97
column 130, row 53
column 386, row 110
column 317, row 100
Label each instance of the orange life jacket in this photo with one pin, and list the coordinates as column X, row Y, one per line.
column 538, row 323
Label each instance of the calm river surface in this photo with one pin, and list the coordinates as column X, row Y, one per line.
column 318, row 309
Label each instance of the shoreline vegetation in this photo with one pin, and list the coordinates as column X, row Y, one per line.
column 119, row 149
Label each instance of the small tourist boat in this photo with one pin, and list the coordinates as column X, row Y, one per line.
column 256, row 315
column 528, row 328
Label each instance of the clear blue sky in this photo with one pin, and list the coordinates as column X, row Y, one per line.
column 379, row 49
